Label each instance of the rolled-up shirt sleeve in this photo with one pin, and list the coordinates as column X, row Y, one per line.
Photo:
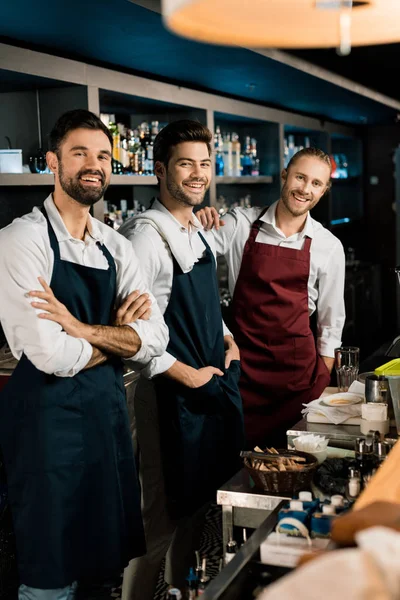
column 149, row 260
column 153, row 333
column 331, row 308
column 22, row 260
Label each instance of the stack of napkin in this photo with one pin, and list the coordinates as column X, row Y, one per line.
column 337, row 414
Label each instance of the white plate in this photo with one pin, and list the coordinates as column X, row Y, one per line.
column 341, row 399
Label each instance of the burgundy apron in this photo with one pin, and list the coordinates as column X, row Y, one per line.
column 281, row 369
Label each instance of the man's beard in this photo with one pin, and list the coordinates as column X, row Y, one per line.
column 74, row 188
column 180, row 196
column 286, row 194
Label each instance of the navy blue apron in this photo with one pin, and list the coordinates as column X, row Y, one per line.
column 201, row 429
column 71, row 476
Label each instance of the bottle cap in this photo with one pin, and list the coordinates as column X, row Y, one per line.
column 337, row 500
column 296, row 505
column 305, row 496
column 231, row 546
column 328, row 509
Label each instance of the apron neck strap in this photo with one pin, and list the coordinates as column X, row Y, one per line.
column 53, row 239
column 255, row 228
column 56, row 248
column 107, row 254
column 203, row 239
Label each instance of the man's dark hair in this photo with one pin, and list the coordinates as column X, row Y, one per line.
column 176, row 133
column 75, row 119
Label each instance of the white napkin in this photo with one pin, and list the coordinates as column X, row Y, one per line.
column 334, row 414
column 162, row 223
column 337, row 414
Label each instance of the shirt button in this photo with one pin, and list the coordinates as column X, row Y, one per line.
column 183, row 230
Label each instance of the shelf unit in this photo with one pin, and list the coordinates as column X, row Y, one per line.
column 39, row 87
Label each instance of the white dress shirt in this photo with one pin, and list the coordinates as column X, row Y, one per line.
column 327, row 265
column 157, row 265
column 26, row 254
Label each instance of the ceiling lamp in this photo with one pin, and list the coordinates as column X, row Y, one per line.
column 286, row 23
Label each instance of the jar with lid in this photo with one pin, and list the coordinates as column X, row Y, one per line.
column 353, row 486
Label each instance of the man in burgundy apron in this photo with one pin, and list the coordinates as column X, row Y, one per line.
column 281, row 368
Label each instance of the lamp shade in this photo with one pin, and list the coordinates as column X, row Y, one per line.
column 283, row 23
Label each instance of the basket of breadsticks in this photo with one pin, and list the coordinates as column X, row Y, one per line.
column 280, row 471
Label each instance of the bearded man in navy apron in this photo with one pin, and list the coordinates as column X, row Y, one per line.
column 188, row 417
column 283, row 266
column 64, row 429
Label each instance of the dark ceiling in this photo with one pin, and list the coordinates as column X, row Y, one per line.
column 121, row 34
column 376, row 67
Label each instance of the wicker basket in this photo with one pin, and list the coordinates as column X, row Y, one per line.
column 285, row 482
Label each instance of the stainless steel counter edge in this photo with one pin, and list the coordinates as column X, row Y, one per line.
column 249, row 500
column 220, row 584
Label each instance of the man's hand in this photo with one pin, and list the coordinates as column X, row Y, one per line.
column 231, row 350
column 190, row 377
column 209, row 218
column 329, row 362
column 120, row 341
column 136, row 306
column 56, row 311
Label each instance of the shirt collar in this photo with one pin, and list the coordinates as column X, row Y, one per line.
column 269, row 218
column 194, row 222
column 60, row 230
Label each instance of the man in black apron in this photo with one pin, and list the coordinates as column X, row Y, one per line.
column 189, row 422
column 64, row 430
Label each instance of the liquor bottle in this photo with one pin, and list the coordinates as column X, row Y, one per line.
column 124, row 153
column 236, row 166
column 116, row 141
column 133, row 149
column 247, row 158
column 255, row 162
column 154, row 130
column 285, row 153
column 227, row 155
column 219, row 158
column 149, row 159
column 291, row 147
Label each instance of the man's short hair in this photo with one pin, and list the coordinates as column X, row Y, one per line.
column 75, row 119
column 176, row 133
column 314, row 153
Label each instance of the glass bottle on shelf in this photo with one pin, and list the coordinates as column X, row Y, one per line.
column 154, row 130
column 133, row 145
column 285, row 153
column 236, row 166
column 247, row 162
column 291, row 147
column 219, row 158
column 255, row 162
column 227, row 148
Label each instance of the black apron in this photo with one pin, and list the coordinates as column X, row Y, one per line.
column 201, row 429
column 71, row 476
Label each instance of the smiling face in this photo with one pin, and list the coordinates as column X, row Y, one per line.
column 82, row 166
column 305, row 182
column 188, row 174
